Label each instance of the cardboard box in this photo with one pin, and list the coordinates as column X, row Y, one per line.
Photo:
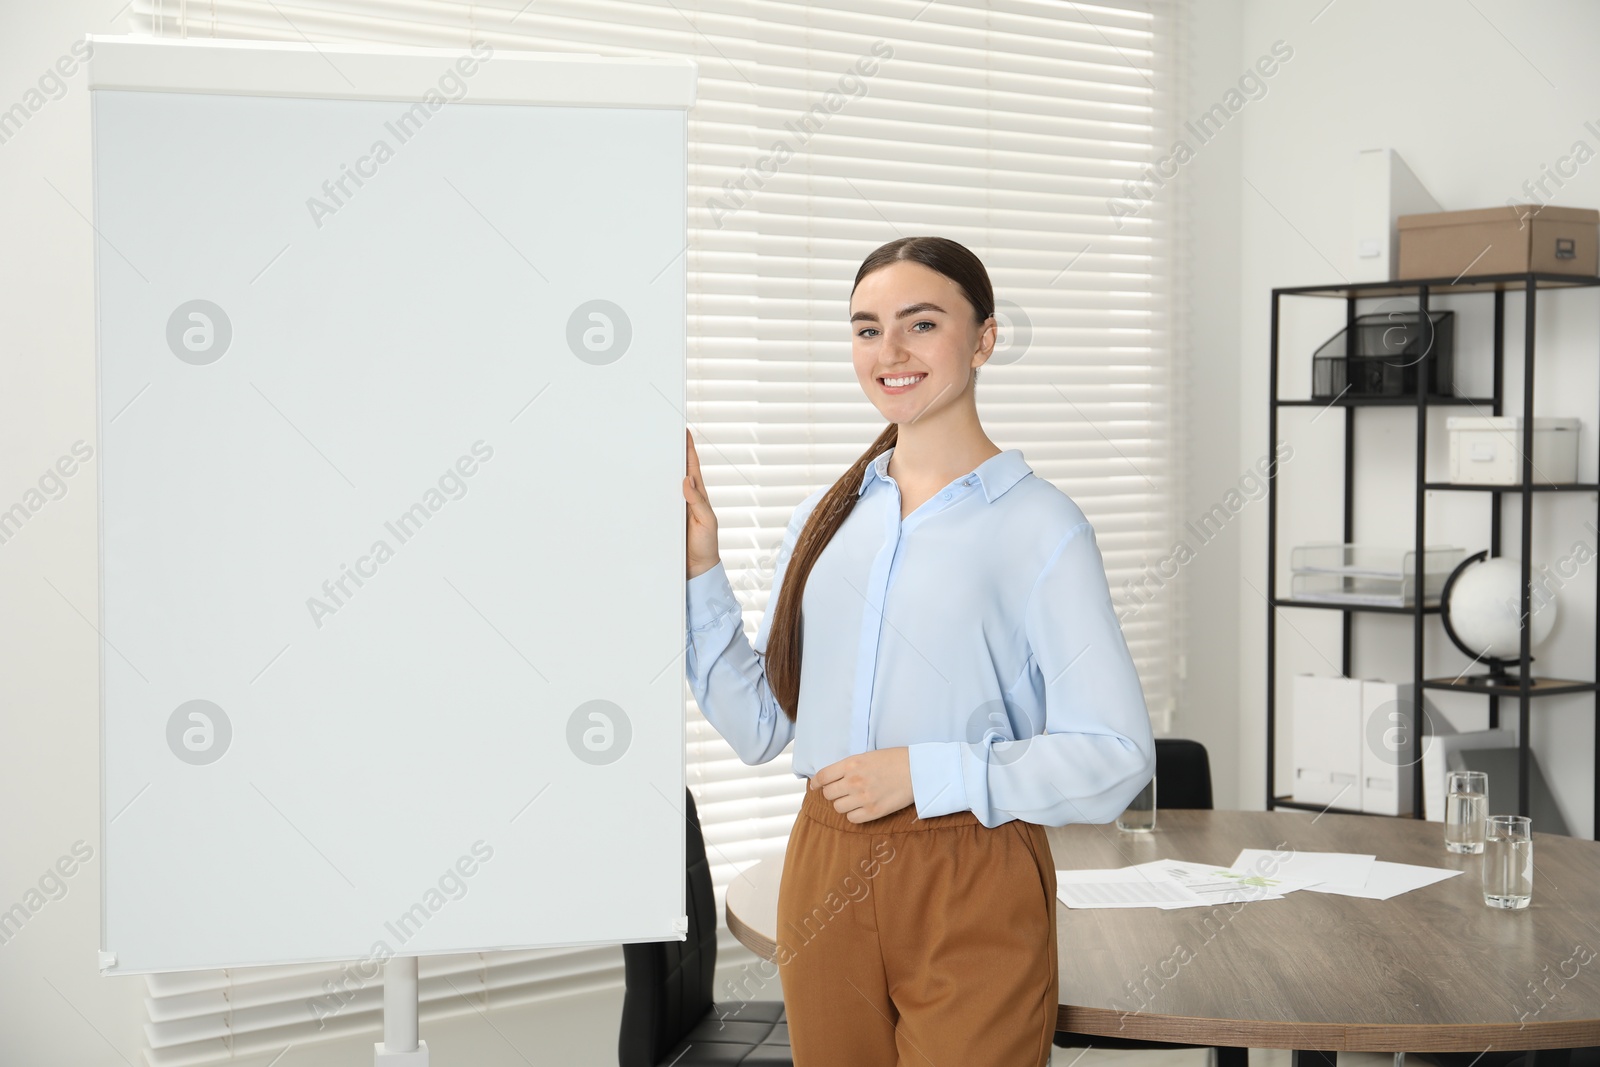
column 1510, row 239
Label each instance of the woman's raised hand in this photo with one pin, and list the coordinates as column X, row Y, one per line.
column 702, row 528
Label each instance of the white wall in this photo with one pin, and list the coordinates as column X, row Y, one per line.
column 57, row 1008
column 1476, row 98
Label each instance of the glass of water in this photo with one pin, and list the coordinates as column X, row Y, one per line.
column 1466, row 804
column 1508, row 861
column 1140, row 818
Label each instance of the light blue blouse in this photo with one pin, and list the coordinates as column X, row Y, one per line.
column 978, row 632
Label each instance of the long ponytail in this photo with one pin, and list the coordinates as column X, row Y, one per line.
column 784, row 636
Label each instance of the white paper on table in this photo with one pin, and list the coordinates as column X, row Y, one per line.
column 1121, row 887
column 1224, row 885
column 1346, row 870
column 1388, row 879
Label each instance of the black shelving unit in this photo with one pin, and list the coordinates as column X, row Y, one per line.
column 1529, row 284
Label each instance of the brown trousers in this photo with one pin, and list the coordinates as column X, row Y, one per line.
column 908, row 942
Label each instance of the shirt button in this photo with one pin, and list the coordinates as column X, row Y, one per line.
column 947, row 494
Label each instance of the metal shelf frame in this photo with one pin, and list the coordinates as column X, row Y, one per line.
column 1529, row 284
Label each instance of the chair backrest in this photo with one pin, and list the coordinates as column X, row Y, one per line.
column 669, row 982
column 1183, row 774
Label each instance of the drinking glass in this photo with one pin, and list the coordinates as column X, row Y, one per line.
column 1140, row 818
column 1508, row 861
column 1466, row 805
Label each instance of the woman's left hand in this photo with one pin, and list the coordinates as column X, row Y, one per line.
column 868, row 785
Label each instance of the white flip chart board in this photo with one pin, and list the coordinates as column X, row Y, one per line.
column 391, row 409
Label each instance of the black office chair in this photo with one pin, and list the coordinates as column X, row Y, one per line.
column 1183, row 774
column 1183, row 780
column 668, row 1016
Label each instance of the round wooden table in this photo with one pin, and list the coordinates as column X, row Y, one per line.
column 1433, row 969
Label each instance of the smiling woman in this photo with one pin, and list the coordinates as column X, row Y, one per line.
column 965, row 683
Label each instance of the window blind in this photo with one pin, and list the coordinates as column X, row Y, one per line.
column 1026, row 130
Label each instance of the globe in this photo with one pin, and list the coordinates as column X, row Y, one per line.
column 1485, row 604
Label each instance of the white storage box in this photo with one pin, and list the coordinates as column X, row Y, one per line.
column 1351, row 743
column 1487, row 449
column 1388, row 715
column 1326, row 741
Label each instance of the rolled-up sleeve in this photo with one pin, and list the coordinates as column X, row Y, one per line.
column 726, row 673
column 1096, row 750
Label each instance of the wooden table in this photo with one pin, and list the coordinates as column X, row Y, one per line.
column 1433, row 969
